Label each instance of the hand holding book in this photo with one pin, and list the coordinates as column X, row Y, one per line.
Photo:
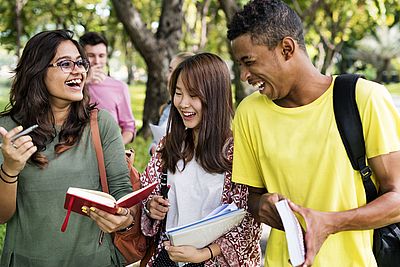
column 76, row 198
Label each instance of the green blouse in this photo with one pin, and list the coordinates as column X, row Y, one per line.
column 33, row 235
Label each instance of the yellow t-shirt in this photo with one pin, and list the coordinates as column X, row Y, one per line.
column 298, row 153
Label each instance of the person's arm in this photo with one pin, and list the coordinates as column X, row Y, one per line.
column 190, row 253
column 126, row 121
column 150, row 224
column 127, row 137
column 384, row 210
column 262, row 206
column 15, row 155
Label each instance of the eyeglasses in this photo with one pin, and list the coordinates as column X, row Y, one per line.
column 68, row 66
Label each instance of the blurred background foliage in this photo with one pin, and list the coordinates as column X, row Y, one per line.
column 360, row 36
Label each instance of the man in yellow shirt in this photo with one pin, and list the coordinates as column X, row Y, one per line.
column 287, row 144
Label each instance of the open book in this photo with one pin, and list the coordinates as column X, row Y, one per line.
column 78, row 197
column 204, row 231
column 293, row 231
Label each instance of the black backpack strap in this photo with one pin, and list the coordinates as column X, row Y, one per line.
column 350, row 128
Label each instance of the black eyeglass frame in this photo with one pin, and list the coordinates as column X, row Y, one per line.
column 85, row 64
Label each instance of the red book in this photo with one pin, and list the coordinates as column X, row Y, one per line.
column 78, row 197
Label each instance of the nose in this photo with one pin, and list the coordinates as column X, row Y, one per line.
column 244, row 74
column 95, row 60
column 184, row 102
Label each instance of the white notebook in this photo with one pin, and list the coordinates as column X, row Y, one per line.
column 293, row 232
column 204, row 231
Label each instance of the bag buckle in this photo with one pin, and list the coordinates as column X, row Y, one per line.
column 366, row 172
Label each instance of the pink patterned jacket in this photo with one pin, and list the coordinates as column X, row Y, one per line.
column 240, row 247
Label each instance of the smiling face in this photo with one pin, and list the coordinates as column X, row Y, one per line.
column 65, row 88
column 260, row 67
column 97, row 55
column 189, row 106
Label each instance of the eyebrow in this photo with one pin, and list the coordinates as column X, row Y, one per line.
column 67, row 57
column 245, row 57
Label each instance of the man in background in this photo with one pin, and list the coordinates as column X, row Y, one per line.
column 109, row 93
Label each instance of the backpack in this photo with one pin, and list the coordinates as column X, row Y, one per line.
column 386, row 246
column 132, row 243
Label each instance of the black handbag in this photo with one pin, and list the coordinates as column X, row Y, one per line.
column 386, row 246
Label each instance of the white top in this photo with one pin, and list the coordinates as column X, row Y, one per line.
column 193, row 194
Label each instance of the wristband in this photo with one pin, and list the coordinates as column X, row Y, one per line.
column 211, row 253
column 8, row 182
column 127, row 228
column 11, row 176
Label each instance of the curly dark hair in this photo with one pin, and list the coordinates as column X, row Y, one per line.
column 267, row 22
column 29, row 98
column 206, row 76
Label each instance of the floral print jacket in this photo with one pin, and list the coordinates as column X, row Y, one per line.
column 240, row 246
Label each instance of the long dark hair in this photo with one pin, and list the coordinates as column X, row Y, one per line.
column 206, row 76
column 29, row 97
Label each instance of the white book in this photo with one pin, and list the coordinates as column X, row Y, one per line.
column 206, row 230
column 293, row 232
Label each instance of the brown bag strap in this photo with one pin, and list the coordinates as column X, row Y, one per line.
column 94, row 126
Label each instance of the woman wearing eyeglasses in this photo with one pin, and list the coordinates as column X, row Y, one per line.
column 37, row 169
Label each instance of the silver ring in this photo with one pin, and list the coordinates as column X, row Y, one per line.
column 127, row 212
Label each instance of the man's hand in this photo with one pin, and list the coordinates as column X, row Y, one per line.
column 262, row 207
column 96, row 74
column 319, row 226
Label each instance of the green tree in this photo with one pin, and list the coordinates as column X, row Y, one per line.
column 156, row 48
column 379, row 49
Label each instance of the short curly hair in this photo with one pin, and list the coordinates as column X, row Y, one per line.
column 267, row 22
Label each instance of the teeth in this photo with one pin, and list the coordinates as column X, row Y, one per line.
column 74, row 81
column 188, row 113
column 258, row 84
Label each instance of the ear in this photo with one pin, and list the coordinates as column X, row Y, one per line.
column 288, row 46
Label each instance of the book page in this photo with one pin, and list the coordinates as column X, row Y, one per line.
column 93, row 195
column 220, row 211
column 205, row 231
column 224, row 208
column 135, row 197
column 293, row 232
column 158, row 131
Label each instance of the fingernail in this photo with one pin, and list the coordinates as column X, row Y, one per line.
column 84, row 210
column 92, row 209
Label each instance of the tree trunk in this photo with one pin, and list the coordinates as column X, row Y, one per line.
column 156, row 50
column 379, row 71
column 230, row 7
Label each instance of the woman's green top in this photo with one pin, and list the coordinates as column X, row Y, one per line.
column 33, row 235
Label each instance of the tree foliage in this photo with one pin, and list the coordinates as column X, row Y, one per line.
column 140, row 33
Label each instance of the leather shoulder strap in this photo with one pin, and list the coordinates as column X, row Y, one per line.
column 94, row 127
